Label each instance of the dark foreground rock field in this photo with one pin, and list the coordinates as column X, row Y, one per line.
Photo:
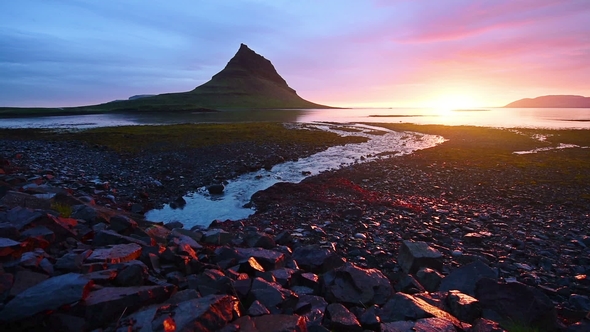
column 401, row 244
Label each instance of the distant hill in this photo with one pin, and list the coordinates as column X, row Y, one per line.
column 248, row 81
column 558, row 101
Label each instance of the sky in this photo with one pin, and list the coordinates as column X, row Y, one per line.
column 355, row 53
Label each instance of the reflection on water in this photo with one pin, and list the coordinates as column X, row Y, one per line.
column 202, row 208
column 491, row 117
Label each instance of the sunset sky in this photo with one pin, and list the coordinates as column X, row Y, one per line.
column 390, row 53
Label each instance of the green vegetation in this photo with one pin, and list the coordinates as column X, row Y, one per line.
column 135, row 139
column 64, row 210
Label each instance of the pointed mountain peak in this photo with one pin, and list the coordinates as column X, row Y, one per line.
column 246, row 62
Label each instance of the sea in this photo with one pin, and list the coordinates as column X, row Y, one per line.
column 552, row 118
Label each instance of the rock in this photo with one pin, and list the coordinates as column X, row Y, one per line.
column 109, row 237
column 464, row 307
column 133, row 273
column 109, row 303
column 40, row 232
column 122, row 224
column 9, row 248
column 340, row 319
column 250, row 266
column 119, row 253
column 211, row 282
column 84, row 212
column 217, row 236
column 350, row 284
column 268, row 259
column 209, row 313
column 47, row 295
column 415, row 255
column 26, row 279
column 173, row 224
column 257, row 309
column 272, row 323
column 429, row 278
column 259, row 240
column 269, row 294
column 14, row 199
column 486, row 325
column 284, row 238
column 399, row 326
column 434, row 324
column 20, row 217
column 407, row 307
column 316, row 259
column 369, row 319
column 70, row 262
column 517, row 303
column 408, row 284
column 465, row 278
column 6, row 282
column 579, row 302
column 8, row 230
column 216, row 189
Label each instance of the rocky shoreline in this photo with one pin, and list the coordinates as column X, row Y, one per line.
column 391, row 245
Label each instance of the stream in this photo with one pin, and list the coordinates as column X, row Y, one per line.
column 202, row 208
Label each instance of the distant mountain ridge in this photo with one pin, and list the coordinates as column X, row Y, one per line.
column 553, row 101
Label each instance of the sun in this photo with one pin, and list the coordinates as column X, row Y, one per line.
column 453, row 102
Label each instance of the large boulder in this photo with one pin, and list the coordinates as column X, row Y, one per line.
column 465, row 278
column 353, row 285
column 517, row 303
column 315, row 259
column 407, row 307
column 338, row 318
column 119, row 253
column 415, row 255
column 50, row 294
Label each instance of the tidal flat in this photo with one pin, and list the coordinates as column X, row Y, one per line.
column 471, row 200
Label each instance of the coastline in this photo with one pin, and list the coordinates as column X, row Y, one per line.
column 471, row 199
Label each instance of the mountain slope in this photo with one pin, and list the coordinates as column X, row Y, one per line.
column 557, row 101
column 247, row 81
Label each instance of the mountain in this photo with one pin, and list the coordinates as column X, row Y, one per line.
column 558, row 101
column 247, row 81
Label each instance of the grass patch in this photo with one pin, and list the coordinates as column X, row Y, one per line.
column 136, row 139
column 64, row 210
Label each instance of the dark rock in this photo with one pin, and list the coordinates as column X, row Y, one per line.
column 70, row 262
column 369, row 319
column 517, row 303
column 284, row 276
column 8, row 230
column 108, row 237
column 26, row 279
column 257, row 309
column 119, row 253
column 580, row 302
column 9, row 248
column 209, row 313
column 340, row 319
column 108, row 304
column 583, row 326
column 84, row 212
column 415, row 255
column 284, row 238
column 47, row 295
column 173, row 224
column 133, row 273
column 216, row 189
column 464, row 307
column 6, row 282
column 434, row 324
column 217, row 236
column 274, row 323
column 20, row 217
column 268, row 259
column 122, row 224
column 211, row 282
column 465, row 278
column 399, row 326
column 250, row 266
column 350, row 284
column 429, row 278
column 259, row 240
column 14, row 199
column 269, row 294
column 408, row 284
column 486, row 325
column 316, row 259
column 183, row 295
column 407, row 307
